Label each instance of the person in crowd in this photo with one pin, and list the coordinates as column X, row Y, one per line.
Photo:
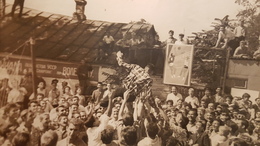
column 20, row 139
column 97, row 125
column 107, row 137
column 152, row 138
column 181, row 40
column 208, row 98
column 16, row 3
column 171, row 39
column 191, row 126
column 67, row 92
column 39, row 126
column 199, row 137
column 191, row 99
column 174, row 95
column 62, row 129
column 73, row 131
column 218, row 96
column 49, row 138
column 98, row 93
column 84, row 73
column 242, row 51
column 54, row 93
column 222, row 137
column 78, row 93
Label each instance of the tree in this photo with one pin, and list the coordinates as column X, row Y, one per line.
column 251, row 15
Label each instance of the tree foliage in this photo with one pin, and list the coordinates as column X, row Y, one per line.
column 251, row 15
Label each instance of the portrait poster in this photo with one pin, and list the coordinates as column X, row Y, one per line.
column 178, row 64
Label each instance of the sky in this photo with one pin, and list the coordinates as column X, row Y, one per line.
column 182, row 16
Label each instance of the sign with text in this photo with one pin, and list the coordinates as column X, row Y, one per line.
column 44, row 68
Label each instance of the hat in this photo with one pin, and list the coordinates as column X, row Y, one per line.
column 181, row 34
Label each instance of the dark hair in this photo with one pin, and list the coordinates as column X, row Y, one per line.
column 32, row 101
column 76, row 122
column 239, row 142
column 10, row 106
column 41, row 94
column 20, row 139
column 62, row 115
column 129, row 135
column 171, row 141
column 107, row 135
column 152, row 130
column 169, row 101
column 128, row 120
column 57, row 109
column 245, row 123
column 171, row 31
column 89, row 123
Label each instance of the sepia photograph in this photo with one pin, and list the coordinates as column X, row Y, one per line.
column 130, row 73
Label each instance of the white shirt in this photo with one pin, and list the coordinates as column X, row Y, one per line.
column 108, row 39
column 174, row 98
column 239, row 31
column 94, row 133
column 147, row 141
column 193, row 101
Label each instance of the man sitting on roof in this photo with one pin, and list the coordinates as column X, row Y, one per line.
column 242, row 51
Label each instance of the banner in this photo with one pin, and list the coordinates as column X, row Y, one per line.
column 44, row 68
column 178, row 64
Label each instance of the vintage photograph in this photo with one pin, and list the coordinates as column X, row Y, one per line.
column 129, row 73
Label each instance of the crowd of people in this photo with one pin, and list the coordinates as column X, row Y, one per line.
column 114, row 116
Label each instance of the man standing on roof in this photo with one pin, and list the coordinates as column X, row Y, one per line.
column 108, row 41
column 16, row 3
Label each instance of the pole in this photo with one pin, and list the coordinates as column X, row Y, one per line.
column 226, row 70
column 34, row 75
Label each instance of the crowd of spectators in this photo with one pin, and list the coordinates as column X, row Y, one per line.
column 116, row 117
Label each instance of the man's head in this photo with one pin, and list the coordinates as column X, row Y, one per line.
column 61, row 110
column 174, row 90
column 224, row 131
column 63, row 120
column 75, row 99
column 181, row 36
column 129, row 135
column 169, row 103
column 171, row 32
column 100, row 85
column 83, row 115
column 74, row 107
column 49, row 138
column 152, row 129
column 39, row 96
column 191, row 91
column 32, row 106
column 74, row 129
column 21, row 139
column 242, row 124
column 207, row 91
column 218, row 90
column 209, row 116
column 12, row 110
column 245, row 97
column 107, row 135
column 192, row 114
column 224, row 116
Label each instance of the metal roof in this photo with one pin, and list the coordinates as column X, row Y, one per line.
column 59, row 37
